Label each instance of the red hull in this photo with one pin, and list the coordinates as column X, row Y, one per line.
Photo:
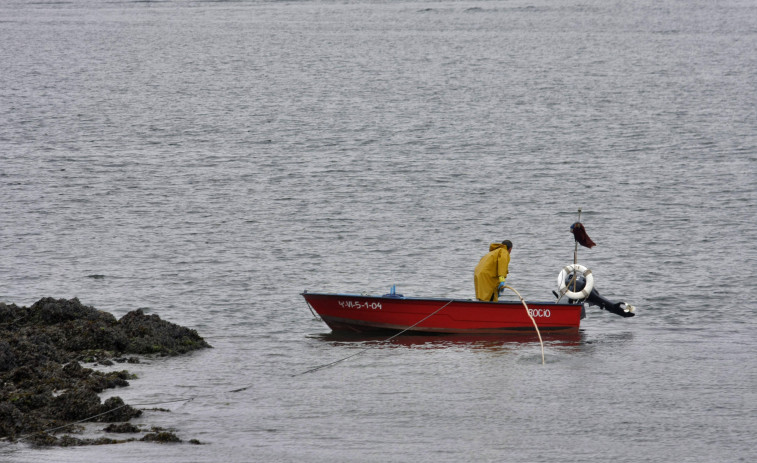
column 345, row 312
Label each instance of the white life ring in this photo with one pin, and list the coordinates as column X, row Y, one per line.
column 563, row 287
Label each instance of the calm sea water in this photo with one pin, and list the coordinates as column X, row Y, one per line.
column 208, row 161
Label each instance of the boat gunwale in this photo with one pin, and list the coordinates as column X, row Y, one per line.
column 440, row 299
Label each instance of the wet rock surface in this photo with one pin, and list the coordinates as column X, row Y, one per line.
column 44, row 387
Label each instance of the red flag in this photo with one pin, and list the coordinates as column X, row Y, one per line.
column 579, row 233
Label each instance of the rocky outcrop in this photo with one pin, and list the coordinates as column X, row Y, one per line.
column 43, row 385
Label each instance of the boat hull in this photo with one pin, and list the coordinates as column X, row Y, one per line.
column 359, row 313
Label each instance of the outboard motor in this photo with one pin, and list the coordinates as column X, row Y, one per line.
column 619, row 308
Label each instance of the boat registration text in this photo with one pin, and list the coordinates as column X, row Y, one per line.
column 357, row 305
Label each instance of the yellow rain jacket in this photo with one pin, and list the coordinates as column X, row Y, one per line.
column 486, row 275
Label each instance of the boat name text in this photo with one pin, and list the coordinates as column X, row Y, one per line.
column 540, row 313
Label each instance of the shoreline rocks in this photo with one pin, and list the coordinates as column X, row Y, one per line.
column 44, row 387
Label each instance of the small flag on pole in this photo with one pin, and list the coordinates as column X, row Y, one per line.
column 579, row 233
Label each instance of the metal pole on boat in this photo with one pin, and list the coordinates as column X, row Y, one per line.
column 575, row 251
column 575, row 256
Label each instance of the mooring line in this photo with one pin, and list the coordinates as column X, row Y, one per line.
column 528, row 312
column 320, row 367
column 90, row 418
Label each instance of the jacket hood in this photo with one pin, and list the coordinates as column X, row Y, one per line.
column 494, row 246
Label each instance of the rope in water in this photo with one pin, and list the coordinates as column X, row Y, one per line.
column 528, row 312
column 320, row 367
column 90, row 418
column 311, row 370
column 188, row 399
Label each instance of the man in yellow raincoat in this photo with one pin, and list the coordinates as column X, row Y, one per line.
column 491, row 271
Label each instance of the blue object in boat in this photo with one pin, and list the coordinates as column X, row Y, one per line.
column 393, row 292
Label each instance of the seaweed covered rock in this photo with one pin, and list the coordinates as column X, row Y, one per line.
column 148, row 334
column 122, row 428
column 7, row 357
column 42, row 383
column 76, row 404
column 117, row 410
column 46, row 440
column 162, row 437
column 12, row 420
column 51, row 311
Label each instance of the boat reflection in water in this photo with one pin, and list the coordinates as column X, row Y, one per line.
column 387, row 340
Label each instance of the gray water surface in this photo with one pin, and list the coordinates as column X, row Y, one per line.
column 209, row 161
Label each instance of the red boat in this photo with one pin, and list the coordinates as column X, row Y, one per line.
column 394, row 312
column 360, row 313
